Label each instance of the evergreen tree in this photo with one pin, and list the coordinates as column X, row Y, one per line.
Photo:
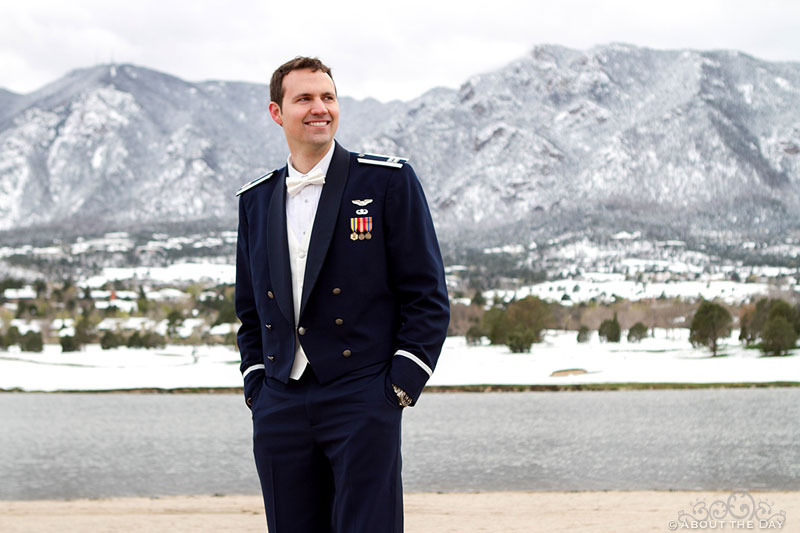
column 40, row 286
column 174, row 321
column 780, row 308
column 13, row 336
column 474, row 335
column 584, row 334
column 151, row 339
column 753, row 319
column 84, row 330
column 520, row 340
column 111, row 339
column 526, row 319
column 227, row 312
column 142, row 303
column 478, row 299
column 31, row 342
column 135, row 340
column 609, row 330
column 494, row 325
column 69, row 344
column 637, row 332
column 756, row 320
column 778, row 336
column 710, row 323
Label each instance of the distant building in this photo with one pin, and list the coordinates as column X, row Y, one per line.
column 15, row 295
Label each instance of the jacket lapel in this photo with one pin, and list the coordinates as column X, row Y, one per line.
column 278, row 248
column 325, row 219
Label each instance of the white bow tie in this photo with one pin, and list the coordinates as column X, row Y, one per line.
column 295, row 185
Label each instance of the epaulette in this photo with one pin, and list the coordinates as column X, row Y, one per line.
column 257, row 181
column 382, row 160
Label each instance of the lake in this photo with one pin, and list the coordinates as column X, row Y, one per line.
column 105, row 445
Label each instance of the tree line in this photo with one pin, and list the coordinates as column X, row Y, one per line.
column 770, row 325
column 61, row 301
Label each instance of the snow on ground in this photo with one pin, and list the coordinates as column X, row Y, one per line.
column 610, row 287
column 219, row 273
column 667, row 358
column 120, row 368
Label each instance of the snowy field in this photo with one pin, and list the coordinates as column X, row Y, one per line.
column 608, row 287
column 667, row 358
column 178, row 272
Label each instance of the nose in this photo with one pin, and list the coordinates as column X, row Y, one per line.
column 318, row 107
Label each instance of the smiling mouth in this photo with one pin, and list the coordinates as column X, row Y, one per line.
column 320, row 123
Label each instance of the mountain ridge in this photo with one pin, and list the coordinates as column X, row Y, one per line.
column 676, row 142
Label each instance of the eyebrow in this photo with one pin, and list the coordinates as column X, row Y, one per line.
column 301, row 95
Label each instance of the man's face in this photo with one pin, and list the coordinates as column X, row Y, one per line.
column 309, row 112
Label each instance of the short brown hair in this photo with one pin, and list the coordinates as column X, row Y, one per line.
column 298, row 63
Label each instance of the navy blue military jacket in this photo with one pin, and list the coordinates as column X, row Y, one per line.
column 374, row 288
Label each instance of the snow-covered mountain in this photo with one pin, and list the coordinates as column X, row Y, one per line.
column 113, row 146
column 7, row 99
column 617, row 137
column 622, row 137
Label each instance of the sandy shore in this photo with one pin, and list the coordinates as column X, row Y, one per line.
column 594, row 512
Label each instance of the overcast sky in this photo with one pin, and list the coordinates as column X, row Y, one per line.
column 385, row 50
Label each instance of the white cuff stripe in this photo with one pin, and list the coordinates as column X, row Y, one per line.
column 251, row 369
column 417, row 360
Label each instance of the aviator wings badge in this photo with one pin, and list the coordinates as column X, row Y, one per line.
column 362, row 203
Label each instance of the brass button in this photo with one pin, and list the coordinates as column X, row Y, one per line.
column 271, row 357
column 347, row 353
column 301, row 330
column 337, row 290
column 268, row 326
column 270, row 295
column 339, row 321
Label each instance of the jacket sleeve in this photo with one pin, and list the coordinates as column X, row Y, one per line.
column 249, row 336
column 416, row 275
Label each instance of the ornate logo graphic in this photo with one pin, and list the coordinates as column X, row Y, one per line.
column 739, row 511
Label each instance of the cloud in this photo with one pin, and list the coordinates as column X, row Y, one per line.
column 378, row 49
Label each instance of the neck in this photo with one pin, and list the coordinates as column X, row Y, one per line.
column 304, row 160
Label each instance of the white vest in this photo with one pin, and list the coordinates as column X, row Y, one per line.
column 298, row 252
column 301, row 210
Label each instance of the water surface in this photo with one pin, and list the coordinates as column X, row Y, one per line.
column 103, row 445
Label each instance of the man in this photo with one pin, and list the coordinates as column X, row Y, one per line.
column 341, row 294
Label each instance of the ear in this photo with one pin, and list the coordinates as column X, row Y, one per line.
column 275, row 113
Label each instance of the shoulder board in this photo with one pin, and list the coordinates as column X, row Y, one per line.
column 382, row 160
column 257, row 181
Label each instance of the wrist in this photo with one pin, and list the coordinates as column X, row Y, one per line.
column 403, row 399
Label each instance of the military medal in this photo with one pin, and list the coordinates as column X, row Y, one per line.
column 361, row 228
